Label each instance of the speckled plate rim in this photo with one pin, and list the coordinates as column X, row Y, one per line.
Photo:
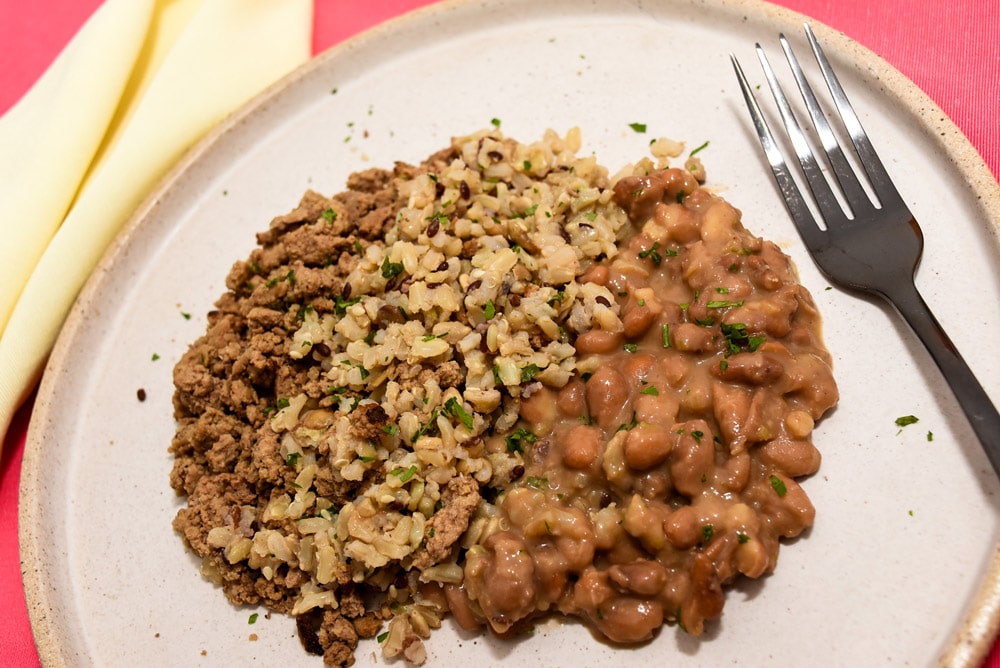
column 969, row 645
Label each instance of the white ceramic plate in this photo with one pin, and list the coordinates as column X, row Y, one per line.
column 897, row 568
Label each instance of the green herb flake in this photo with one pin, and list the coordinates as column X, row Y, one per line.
column 155, row 357
column 329, row 215
column 382, row 636
column 778, row 485
column 906, row 420
column 186, row 316
column 742, row 538
column 340, row 308
column 638, row 127
column 282, row 402
column 652, row 253
column 390, row 429
column 930, row 436
column 699, row 149
column 495, row 122
column 591, row 216
column 529, row 372
column 404, row 474
column 253, row 618
column 651, row 391
column 518, row 438
column 537, row 483
column 721, row 303
column 490, row 310
column 631, row 347
column 527, row 165
column 293, row 458
column 697, row 435
column 665, row 335
column 455, row 409
column 707, row 531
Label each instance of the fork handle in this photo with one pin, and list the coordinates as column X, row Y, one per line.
column 976, row 404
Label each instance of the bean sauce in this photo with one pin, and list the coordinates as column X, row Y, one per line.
column 670, row 469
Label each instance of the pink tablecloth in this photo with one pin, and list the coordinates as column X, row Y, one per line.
column 950, row 49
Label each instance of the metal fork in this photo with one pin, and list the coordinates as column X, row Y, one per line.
column 873, row 247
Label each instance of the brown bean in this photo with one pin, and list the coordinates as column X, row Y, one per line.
column 598, row 341
column 645, row 577
column 539, row 410
column 637, row 321
column 571, row 400
column 581, row 446
column 660, row 409
column 458, row 604
column 637, row 367
column 792, row 457
column 680, row 222
column 607, row 394
column 683, row 528
column 689, row 337
column 626, row 619
column 595, row 273
column 646, row 446
column 692, row 458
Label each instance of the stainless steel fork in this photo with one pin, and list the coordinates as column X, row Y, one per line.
column 873, row 247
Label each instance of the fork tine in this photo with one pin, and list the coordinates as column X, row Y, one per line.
column 879, row 178
column 829, row 207
column 796, row 204
column 846, row 177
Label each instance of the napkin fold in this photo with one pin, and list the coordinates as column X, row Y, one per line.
column 140, row 83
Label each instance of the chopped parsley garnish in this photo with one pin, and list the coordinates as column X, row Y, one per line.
column 737, row 338
column 652, row 253
column 778, row 485
column 282, row 402
column 742, row 537
column 391, row 269
column 527, row 165
column 390, row 429
column 631, row 347
column 638, row 127
column 329, row 215
column 186, row 316
column 707, row 531
column 631, row 425
column 529, row 372
column 665, row 335
column 700, row 148
column 489, row 310
column 651, row 391
column 455, row 409
column 930, row 436
column 537, row 483
column 697, row 435
column 293, row 458
column 155, row 357
column 705, row 322
column 404, row 474
column 518, row 438
column 340, row 308
column 723, row 303
column 906, row 420
column 253, row 618
column 495, row 122
column 382, row 636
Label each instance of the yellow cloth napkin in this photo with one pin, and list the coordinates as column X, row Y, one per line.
column 140, row 83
